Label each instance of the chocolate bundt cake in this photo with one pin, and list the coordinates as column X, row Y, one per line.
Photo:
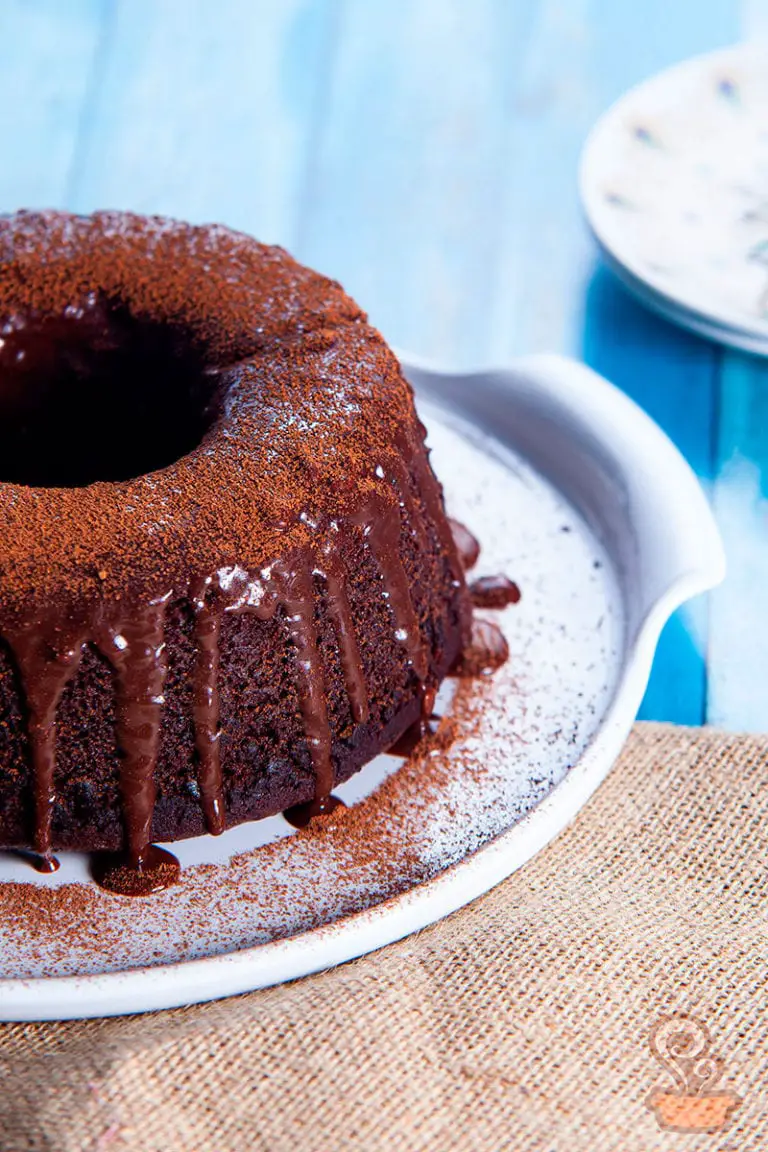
column 226, row 576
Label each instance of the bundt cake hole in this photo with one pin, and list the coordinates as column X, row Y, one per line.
column 98, row 394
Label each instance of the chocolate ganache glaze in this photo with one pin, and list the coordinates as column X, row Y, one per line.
column 226, row 575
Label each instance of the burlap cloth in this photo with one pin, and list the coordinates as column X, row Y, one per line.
column 521, row 1022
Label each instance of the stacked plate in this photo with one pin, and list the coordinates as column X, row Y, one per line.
column 674, row 180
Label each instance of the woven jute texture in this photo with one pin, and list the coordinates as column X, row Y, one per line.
column 521, row 1022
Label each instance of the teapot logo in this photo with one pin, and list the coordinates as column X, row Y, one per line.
column 683, row 1046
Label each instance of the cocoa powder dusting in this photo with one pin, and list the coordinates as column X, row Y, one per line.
column 261, row 324
column 57, row 924
column 154, row 871
column 78, row 928
column 380, row 838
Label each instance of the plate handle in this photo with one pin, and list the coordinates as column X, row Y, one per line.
column 610, row 460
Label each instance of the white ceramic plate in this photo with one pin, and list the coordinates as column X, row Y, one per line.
column 674, row 180
column 578, row 496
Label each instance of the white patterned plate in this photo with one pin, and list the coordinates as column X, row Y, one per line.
column 567, row 483
column 674, row 180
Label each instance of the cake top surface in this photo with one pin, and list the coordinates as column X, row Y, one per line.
column 154, row 337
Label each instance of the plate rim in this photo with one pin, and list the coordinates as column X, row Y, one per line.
column 149, row 988
column 722, row 326
column 671, row 310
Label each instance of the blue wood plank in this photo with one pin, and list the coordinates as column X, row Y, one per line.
column 48, row 54
column 580, row 58
column 543, row 250
column 738, row 694
column 673, row 375
column 205, row 111
column 738, row 656
column 444, row 182
column 408, row 185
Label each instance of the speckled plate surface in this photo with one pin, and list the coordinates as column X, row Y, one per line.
column 567, row 485
column 674, row 180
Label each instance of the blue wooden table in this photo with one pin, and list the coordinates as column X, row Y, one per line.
column 423, row 152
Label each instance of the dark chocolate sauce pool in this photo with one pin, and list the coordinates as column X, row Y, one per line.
column 45, row 865
column 467, row 545
column 153, row 871
column 494, row 592
column 486, row 652
column 301, row 814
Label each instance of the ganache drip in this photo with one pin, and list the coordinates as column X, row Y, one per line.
column 341, row 616
column 410, row 740
column 136, row 650
column 131, row 638
column 432, row 495
column 47, row 658
column 380, row 523
column 298, row 599
column 205, row 704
